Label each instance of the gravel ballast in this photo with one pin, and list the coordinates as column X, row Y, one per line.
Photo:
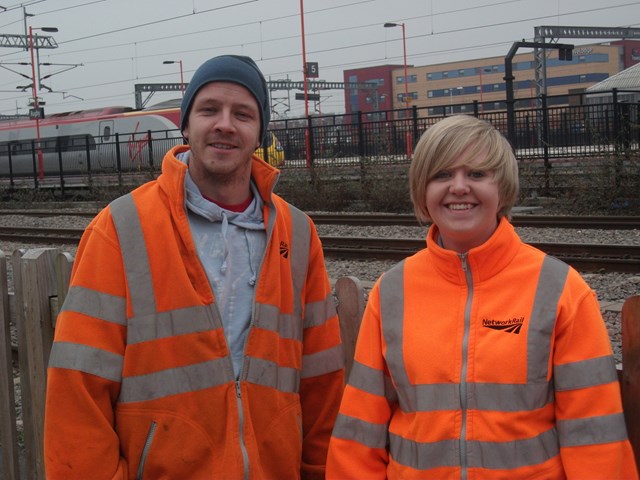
column 611, row 288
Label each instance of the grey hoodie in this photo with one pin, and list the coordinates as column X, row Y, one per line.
column 231, row 247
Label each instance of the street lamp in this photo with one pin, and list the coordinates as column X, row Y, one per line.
column 38, row 112
column 406, row 80
column 169, row 62
column 459, row 89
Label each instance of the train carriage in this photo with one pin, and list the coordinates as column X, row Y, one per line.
column 108, row 140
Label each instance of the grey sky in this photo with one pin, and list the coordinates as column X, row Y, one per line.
column 124, row 42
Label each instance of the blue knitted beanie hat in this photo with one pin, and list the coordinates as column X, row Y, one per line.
column 229, row 68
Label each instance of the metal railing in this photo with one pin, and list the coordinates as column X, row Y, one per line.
column 560, row 127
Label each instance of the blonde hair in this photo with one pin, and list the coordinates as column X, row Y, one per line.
column 443, row 145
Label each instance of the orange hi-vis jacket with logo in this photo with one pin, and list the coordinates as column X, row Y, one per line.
column 493, row 364
column 140, row 379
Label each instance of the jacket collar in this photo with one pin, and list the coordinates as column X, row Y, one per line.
column 485, row 260
column 173, row 172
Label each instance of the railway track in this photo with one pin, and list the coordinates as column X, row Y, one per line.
column 368, row 219
column 543, row 221
column 584, row 257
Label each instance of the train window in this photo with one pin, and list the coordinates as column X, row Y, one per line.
column 106, row 133
column 63, row 143
column 79, row 142
column 49, row 144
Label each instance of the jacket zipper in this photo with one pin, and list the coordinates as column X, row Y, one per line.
column 243, row 447
column 465, row 364
column 145, row 449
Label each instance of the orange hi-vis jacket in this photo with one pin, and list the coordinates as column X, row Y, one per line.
column 493, row 364
column 140, row 379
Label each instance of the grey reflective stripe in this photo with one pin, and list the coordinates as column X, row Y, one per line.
column 299, row 256
column 551, row 280
column 317, row 313
column 171, row 323
column 592, row 430
column 438, row 396
column 96, row 304
column 174, row 381
column 392, row 318
column 514, row 454
column 270, row 318
column 586, row 373
column 94, row 361
column 134, row 254
column 424, row 455
column 324, row 361
column 372, row 435
column 270, row 374
column 489, row 455
column 372, row 381
column 507, row 397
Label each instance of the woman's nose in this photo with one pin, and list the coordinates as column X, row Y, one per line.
column 459, row 184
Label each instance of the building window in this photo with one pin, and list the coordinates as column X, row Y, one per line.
column 410, row 79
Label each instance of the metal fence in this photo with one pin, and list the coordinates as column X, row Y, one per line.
column 544, row 128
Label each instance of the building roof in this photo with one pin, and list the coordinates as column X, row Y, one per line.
column 628, row 79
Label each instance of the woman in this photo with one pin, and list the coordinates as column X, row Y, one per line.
column 479, row 356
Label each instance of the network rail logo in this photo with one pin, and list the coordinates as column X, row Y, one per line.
column 284, row 250
column 512, row 325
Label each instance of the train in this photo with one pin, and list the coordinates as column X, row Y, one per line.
column 102, row 140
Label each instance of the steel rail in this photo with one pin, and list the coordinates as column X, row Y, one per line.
column 368, row 219
column 557, row 221
column 585, row 257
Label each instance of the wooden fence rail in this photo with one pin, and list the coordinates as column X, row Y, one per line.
column 40, row 281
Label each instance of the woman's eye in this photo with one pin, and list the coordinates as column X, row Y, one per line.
column 477, row 174
column 441, row 175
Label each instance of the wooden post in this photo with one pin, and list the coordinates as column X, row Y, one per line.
column 64, row 265
column 23, row 364
column 8, row 432
column 38, row 281
column 631, row 371
column 351, row 303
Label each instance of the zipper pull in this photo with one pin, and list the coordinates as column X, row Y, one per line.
column 463, row 259
column 238, row 391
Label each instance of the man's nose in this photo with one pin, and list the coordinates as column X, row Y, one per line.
column 224, row 121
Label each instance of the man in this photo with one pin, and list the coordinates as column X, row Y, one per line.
column 199, row 337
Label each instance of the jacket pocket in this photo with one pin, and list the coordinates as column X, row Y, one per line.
column 281, row 443
column 159, row 444
column 145, row 450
